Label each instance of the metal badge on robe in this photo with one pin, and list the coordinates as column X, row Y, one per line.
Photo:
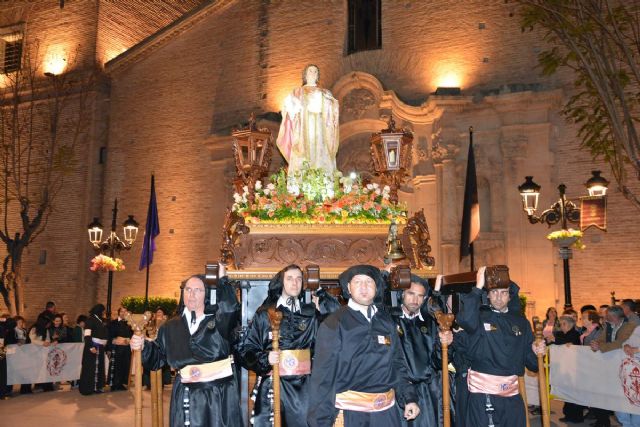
column 211, row 324
column 424, row 329
column 516, row 330
column 384, row 340
column 302, row 326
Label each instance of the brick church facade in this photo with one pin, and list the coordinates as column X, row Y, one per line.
column 179, row 76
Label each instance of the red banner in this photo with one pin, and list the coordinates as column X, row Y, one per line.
column 593, row 212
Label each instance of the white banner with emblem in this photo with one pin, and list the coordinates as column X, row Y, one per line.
column 599, row 380
column 31, row 363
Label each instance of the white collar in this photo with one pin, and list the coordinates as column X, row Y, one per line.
column 362, row 308
column 282, row 301
column 407, row 315
column 192, row 327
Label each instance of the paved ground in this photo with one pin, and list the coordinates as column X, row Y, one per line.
column 68, row 408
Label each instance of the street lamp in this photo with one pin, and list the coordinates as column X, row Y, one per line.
column 563, row 211
column 112, row 243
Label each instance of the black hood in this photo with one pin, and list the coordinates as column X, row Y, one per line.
column 367, row 270
column 277, row 284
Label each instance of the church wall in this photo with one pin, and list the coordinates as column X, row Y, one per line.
column 164, row 110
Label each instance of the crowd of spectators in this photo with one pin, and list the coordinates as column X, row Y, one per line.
column 604, row 329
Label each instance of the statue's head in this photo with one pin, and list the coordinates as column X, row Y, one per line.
column 310, row 75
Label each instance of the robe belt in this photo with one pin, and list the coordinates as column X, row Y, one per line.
column 295, row 362
column 497, row 385
column 365, row 402
column 98, row 342
column 206, row 372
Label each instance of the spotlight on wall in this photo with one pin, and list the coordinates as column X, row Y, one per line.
column 448, row 91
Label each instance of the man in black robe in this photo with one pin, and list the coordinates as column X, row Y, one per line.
column 95, row 340
column 500, row 345
column 297, row 338
column 120, row 361
column 199, row 343
column 422, row 351
column 359, row 371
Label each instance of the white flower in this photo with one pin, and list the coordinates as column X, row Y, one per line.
column 271, row 187
column 267, row 191
column 258, row 185
column 235, row 207
column 237, row 198
column 386, row 189
column 245, row 189
column 375, row 185
column 370, row 187
column 377, row 191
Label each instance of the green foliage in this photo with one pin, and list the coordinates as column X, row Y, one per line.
column 598, row 41
column 136, row 304
column 523, row 304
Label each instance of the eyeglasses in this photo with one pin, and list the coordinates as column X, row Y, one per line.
column 194, row 291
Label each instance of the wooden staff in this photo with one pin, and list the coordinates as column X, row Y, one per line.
column 154, row 401
column 158, row 396
column 542, row 380
column 523, row 392
column 275, row 317
column 138, row 323
column 445, row 321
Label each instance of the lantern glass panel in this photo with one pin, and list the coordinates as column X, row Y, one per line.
column 392, row 153
column 530, row 202
column 95, row 235
column 130, row 233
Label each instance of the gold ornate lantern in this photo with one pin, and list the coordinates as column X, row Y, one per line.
column 252, row 149
column 391, row 153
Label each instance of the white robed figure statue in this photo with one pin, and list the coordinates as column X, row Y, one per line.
column 309, row 129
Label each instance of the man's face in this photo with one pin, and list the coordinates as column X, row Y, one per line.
column 122, row 312
column 194, row 294
column 612, row 319
column 362, row 289
column 603, row 312
column 57, row 322
column 413, row 297
column 311, row 75
column 499, row 298
column 292, row 283
column 65, row 319
column 626, row 310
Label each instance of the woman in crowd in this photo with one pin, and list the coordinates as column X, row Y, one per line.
column 58, row 332
column 591, row 325
column 550, row 324
column 40, row 335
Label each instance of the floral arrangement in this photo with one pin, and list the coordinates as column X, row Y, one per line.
column 350, row 202
column 568, row 234
column 106, row 263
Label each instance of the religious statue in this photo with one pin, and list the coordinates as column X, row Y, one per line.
column 309, row 129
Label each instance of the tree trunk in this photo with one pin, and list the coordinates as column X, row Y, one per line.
column 17, row 282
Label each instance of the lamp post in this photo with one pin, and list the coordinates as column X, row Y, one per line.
column 562, row 211
column 391, row 154
column 112, row 243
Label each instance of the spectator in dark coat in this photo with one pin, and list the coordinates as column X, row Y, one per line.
column 568, row 334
